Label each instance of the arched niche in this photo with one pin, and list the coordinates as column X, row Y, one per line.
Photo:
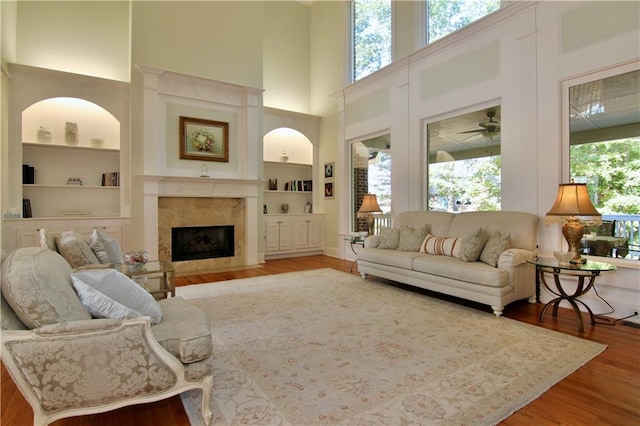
column 97, row 127
column 297, row 147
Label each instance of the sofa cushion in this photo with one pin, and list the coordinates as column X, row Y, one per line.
column 471, row 246
column 397, row 258
column 108, row 293
column 440, row 246
column 36, row 283
column 389, row 238
column 184, row 330
column 106, row 248
column 73, row 247
column 451, row 267
column 411, row 238
column 496, row 244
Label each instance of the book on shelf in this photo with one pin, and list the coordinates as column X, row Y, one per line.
column 28, row 174
column 299, row 185
column 111, row 179
column 26, row 208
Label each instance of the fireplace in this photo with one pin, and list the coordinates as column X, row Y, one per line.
column 202, row 242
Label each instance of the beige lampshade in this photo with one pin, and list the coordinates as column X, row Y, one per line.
column 573, row 200
column 369, row 204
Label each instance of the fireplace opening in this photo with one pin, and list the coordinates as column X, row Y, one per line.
column 202, row 242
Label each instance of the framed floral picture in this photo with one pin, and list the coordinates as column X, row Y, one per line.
column 204, row 140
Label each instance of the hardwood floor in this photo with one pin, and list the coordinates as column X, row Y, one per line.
column 606, row 391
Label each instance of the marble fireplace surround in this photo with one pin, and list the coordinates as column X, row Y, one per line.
column 185, row 201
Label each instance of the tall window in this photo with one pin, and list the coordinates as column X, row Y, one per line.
column 464, row 164
column 604, row 117
column 371, row 36
column 447, row 16
column 371, row 174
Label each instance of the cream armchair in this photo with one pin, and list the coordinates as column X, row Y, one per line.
column 67, row 364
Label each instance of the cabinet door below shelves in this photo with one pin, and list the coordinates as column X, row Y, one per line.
column 279, row 235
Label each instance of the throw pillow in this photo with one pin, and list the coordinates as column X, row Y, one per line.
column 36, row 284
column 108, row 293
column 411, row 238
column 106, row 248
column 73, row 247
column 495, row 245
column 471, row 246
column 440, row 246
column 389, row 238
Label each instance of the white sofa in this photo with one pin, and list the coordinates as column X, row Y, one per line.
column 512, row 278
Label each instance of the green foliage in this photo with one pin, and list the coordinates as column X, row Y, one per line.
column 612, row 173
column 371, row 35
column 465, row 185
column 447, row 16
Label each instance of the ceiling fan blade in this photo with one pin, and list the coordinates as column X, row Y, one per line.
column 473, row 131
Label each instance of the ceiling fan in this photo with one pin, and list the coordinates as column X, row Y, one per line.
column 489, row 129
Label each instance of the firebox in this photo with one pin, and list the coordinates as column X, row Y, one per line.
column 202, row 242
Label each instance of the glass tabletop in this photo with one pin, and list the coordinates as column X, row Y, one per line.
column 152, row 266
column 588, row 266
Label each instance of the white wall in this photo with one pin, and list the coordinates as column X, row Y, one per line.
column 517, row 58
column 89, row 38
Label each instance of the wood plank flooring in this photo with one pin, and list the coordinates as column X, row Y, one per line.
column 606, row 391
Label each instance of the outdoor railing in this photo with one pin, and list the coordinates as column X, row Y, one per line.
column 380, row 221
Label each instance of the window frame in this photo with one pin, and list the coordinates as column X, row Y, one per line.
column 565, row 128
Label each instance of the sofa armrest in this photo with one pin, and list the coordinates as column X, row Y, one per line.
column 372, row 241
column 521, row 273
column 514, row 257
column 81, row 365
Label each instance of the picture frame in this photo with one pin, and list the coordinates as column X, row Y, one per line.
column 328, row 190
column 204, row 140
column 329, row 169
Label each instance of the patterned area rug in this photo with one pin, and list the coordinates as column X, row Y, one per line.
column 324, row 347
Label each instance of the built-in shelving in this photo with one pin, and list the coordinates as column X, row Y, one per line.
column 299, row 201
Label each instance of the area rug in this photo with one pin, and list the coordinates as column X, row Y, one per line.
column 323, row 347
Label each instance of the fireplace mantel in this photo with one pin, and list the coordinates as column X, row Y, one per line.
column 168, row 95
column 156, row 186
column 186, row 186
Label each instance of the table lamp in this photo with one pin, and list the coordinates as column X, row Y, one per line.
column 572, row 201
column 369, row 205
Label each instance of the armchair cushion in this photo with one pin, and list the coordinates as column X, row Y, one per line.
column 108, row 293
column 184, row 330
column 73, row 247
column 106, row 248
column 36, row 283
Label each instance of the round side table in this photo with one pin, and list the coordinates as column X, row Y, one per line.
column 586, row 274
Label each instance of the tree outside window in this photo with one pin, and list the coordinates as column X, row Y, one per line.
column 447, row 16
column 371, row 36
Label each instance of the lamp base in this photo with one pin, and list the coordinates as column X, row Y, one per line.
column 573, row 232
column 370, row 223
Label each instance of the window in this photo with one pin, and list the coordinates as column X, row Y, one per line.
column 371, row 174
column 371, row 36
column 446, row 16
column 464, row 164
column 604, row 152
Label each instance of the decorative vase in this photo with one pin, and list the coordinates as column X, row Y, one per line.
column 284, row 157
column 71, row 133
column 44, row 135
